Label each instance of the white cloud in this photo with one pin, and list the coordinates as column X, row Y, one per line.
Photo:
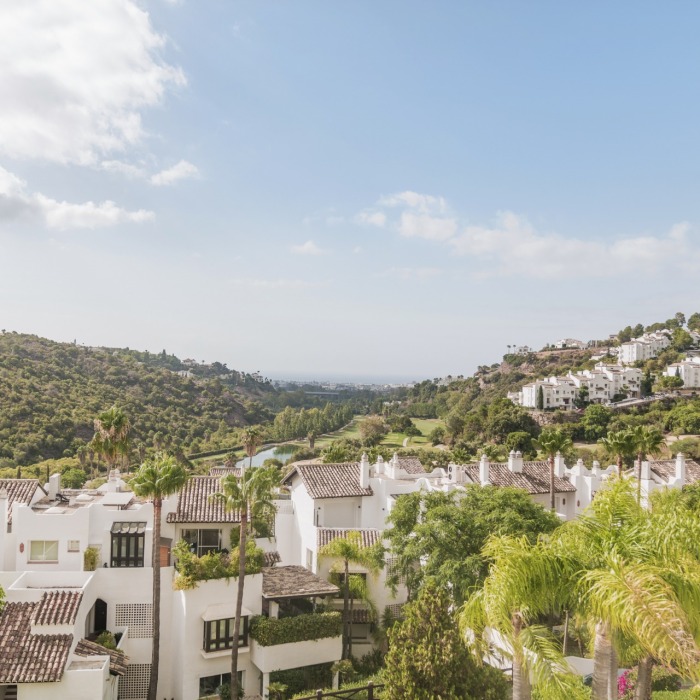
column 16, row 204
column 308, row 248
column 511, row 246
column 372, row 218
column 180, row 171
column 76, row 76
column 424, row 203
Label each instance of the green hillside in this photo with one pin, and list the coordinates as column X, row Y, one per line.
column 50, row 393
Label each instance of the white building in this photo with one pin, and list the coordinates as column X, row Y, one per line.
column 646, row 347
column 603, row 383
column 688, row 370
column 570, row 343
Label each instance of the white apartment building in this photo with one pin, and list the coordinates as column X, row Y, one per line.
column 688, row 370
column 603, row 382
column 570, row 343
column 645, row 347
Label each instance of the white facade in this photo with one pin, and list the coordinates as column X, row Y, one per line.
column 688, row 370
column 646, row 347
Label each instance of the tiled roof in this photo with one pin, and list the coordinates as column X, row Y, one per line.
column 57, row 608
column 325, row 535
column 666, row 469
column 18, row 491
column 27, row 657
column 225, row 471
column 271, row 558
column 361, row 616
column 194, row 503
column 118, row 660
column 411, row 465
column 331, row 480
column 534, row 477
column 294, row 582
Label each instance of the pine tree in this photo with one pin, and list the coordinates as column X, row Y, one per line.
column 428, row 660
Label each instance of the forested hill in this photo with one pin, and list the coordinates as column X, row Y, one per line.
column 50, row 393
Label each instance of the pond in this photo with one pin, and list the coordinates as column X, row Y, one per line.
column 281, row 452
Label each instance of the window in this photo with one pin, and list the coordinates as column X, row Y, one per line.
column 43, row 550
column 209, row 684
column 128, row 540
column 218, row 634
column 73, row 545
column 203, row 541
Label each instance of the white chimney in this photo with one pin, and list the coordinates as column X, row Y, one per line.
column 364, row 471
column 379, row 466
column 646, row 470
column 515, row 462
column 559, row 465
column 484, row 471
column 596, row 467
column 680, row 468
column 54, row 486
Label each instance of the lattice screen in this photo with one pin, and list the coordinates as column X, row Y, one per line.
column 137, row 617
column 134, row 684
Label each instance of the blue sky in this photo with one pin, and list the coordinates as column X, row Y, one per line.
column 389, row 189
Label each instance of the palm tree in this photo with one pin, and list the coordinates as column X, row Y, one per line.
column 638, row 577
column 252, row 439
column 619, row 446
column 252, row 497
column 552, row 442
column 525, row 582
column 111, row 437
column 157, row 479
column 350, row 550
column 647, row 441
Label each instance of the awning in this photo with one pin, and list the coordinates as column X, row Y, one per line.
column 128, row 528
column 223, row 611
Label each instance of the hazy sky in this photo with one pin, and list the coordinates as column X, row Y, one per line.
column 371, row 188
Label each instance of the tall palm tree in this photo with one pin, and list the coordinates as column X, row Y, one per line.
column 647, row 441
column 550, row 442
column 157, row 479
column 252, row 439
column 111, row 438
column 349, row 550
column 252, row 497
column 619, row 446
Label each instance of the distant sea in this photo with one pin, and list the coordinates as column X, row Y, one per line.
column 342, row 378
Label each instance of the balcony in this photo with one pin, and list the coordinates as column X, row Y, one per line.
column 281, row 644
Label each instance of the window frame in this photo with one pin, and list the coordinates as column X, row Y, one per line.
column 133, row 542
column 222, row 640
column 43, row 559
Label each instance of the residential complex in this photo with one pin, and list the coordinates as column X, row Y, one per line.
column 645, row 347
column 56, row 609
column 602, row 384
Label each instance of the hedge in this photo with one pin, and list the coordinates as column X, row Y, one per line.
column 268, row 631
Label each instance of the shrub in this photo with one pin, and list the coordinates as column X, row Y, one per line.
column 91, row 557
column 268, row 631
column 107, row 640
column 661, row 680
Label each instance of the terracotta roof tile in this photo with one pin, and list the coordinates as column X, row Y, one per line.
column 325, row 535
column 225, row 471
column 57, row 608
column 294, row 582
column 271, row 558
column 194, row 503
column 19, row 491
column 331, row 480
column 27, row 657
column 666, row 469
column 411, row 465
column 118, row 660
column 534, row 477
